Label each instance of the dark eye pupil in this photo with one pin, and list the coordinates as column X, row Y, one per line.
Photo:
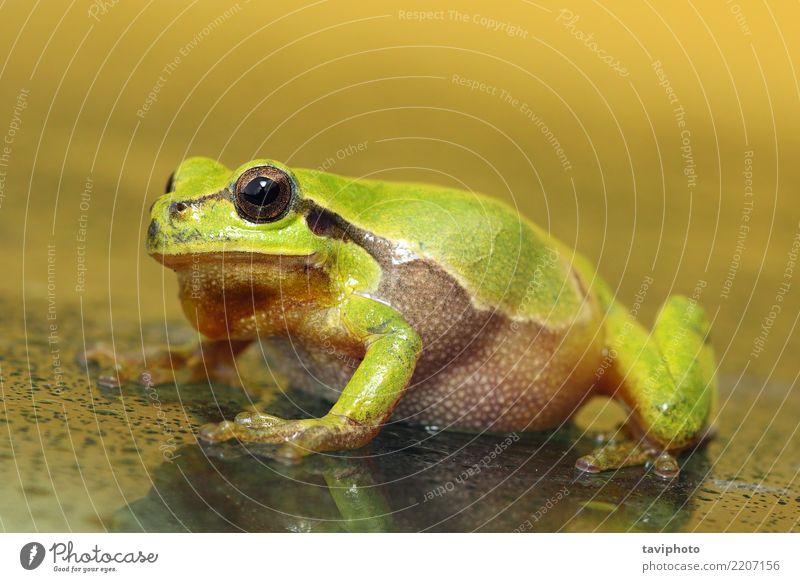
column 261, row 191
column 263, row 194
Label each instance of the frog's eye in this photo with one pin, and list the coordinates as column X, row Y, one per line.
column 263, row 194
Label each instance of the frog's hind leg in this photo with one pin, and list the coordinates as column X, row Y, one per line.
column 666, row 378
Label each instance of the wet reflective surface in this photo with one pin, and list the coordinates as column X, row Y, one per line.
column 124, row 459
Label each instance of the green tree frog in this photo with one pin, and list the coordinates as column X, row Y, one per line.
column 418, row 303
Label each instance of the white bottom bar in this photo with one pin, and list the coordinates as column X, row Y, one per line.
column 402, row 556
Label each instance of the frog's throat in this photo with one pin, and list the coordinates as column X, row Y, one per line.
column 183, row 261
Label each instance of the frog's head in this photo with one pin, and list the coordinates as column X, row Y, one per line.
column 255, row 212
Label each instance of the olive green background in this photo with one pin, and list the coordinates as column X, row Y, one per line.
column 109, row 97
column 309, row 83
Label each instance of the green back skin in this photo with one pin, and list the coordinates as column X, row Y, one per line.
column 502, row 260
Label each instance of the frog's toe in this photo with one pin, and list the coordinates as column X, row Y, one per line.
column 628, row 454
column 253, row 427
column 588, row 464
column 115, row 369
column 666, row 466
column 296, row 438
column 613, row 456
column 110, row 381
column 257, row 420
column 217, row 432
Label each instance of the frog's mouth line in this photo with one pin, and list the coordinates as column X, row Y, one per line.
column 234, row 258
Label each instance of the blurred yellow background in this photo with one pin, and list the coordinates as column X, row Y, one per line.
column 660, row 139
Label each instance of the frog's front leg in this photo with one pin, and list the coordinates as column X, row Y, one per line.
column 392, row 347
column 214, row 359
column 667, row 380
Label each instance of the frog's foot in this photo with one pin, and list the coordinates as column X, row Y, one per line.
column 628, row 454
column 154, row 367
column 115, row 369
column 296, row 438
column 165, row 365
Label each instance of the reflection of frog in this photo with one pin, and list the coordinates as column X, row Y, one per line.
column 408, row 480
column 232, row 491
column 442, row 306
